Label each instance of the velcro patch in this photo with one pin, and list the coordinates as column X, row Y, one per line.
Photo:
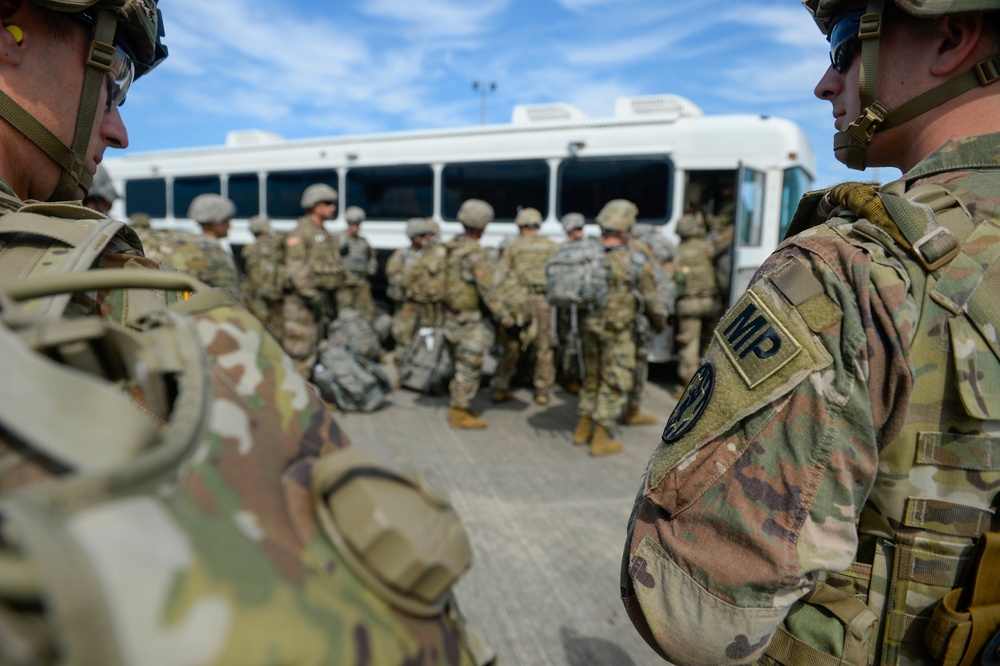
column 755, row 340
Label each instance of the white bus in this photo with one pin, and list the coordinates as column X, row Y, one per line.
column 660, row 152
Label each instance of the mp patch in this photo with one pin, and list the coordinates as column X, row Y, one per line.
column 755, row 340
column 692, row 404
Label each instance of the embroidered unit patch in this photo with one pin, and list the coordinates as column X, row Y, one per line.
column 692, row 404
column 755, row 341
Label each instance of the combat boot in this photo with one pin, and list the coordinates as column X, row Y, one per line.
column 634, row 417
column 501, row 395
column 583, row 430
column 459, row 417
column 602, row 444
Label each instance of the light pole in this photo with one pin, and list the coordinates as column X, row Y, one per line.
column 484, row 88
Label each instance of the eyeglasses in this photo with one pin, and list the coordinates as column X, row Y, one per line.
column 844, row 41
column 119, row 78
column 122, row 72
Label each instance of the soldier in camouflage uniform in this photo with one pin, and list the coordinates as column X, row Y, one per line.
column 521, row 281
column 698, row 302
column 262, row 262
column 360, row 263
column 471, row 291
column 567, row 365
column 825, row 490
column 609, row 337
column 202, row 255
column 409, row 315
column 170, row 489
column 313, row 273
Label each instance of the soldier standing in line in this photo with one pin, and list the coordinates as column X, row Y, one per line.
column 263, row 284
column 609, row 337
column 470, row 290
column 521, row 281
column 721, row 231
column 567, row 363
column 698, row 299
column 313, row 273
column 409, row 315
column 826, row 489
column 360, row 263
column 202, row 255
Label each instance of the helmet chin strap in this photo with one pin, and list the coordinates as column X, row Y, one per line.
column 72, row 159
column 875, row 116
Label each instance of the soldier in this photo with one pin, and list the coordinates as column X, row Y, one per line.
column 202, row 255
column 263, row 283
column 826, row 487
column 521, row 281
column 698, row 300
column 470, row 291
column 168, row 484
column 721, row 230
column 409, row 315
column 313, row 273
column 609, row 337
column 360, row 263
column 102, row 193
column 568, row 370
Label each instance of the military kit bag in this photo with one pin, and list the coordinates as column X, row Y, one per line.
column 427, row 365
column 351, row 331
column 578, row 275
column 353, row 382
column 424, row 277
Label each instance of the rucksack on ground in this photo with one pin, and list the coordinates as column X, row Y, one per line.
column 578, row 276
column 427, row 366
column 353, row 382
column 352, row 331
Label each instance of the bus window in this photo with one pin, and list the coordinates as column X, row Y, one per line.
column 507, row 186
column 396, row 192
column 186, row 189
column 585, row 185
column 284, row 190
column 146, row 195
column 752, row 199
column 794, row 185
column 244, row 190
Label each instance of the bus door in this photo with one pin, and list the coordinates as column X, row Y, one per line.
column 747, row 251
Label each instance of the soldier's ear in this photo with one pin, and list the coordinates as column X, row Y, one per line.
column 960, row 41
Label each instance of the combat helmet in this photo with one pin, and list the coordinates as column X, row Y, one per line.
column 354, row 215
column 417, row 227
column 259, row 224
column 617, row 215
column 528, row 217
column 861, row 30
column 125, row 45
column 572, row 222
column 475, row 213
column 317, row 193
column 209, row 208
column 691, row 225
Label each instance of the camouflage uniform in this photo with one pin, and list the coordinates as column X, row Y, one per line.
column 644, row 337
column 521, row 281
column 470, row 291
column 262, row 260
column 360, row 264
column 609, row 337
column 197, row 255
column 698, row 301
column 313, row 273
column 833, row 419
column 412, row 312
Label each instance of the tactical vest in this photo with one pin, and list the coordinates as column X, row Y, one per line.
column 461, row 292
column 264, row 261
column 694, row 261
column 187, row 507
column 530, row 255
column 938, row 481
column 424, row 278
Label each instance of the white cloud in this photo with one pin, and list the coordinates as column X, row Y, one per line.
column 437, row 17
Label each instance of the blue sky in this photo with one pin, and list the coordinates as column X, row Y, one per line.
column 304, row 68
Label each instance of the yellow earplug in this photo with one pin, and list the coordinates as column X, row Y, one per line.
column 16, row 31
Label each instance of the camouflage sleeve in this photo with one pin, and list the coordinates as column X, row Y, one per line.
column 372, row 267
column 769, row 456
column 655, row 310
column 485, row 277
